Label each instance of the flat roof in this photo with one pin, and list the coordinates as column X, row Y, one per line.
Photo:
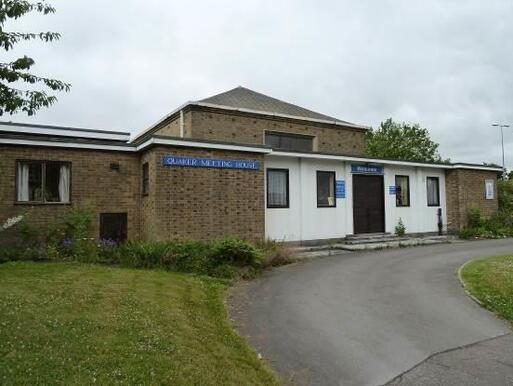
column 384, row 161
column 62, row 131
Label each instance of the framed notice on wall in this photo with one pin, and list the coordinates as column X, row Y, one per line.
column 340, row 189
column 489, row 190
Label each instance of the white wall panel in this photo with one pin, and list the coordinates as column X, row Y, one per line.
column 303, row 220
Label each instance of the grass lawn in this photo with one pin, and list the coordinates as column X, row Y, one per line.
column 69, row 323
column 491, row 281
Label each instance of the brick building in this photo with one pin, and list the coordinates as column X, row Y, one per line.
column 239, row 163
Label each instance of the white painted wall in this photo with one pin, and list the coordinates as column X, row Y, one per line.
column 304, row 221
column 418, row 217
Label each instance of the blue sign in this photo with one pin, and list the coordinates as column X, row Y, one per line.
column 367, row 169
column 210, row 163
column 340, row 189
column 392, row 190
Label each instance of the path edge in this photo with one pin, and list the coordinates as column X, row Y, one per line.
column 464, row 286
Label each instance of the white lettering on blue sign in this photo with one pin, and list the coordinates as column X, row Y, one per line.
column 210, row 163
column 392, row 190
column 340, row 189
column 367, row 169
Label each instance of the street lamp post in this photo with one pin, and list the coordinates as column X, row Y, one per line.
column 502, row 126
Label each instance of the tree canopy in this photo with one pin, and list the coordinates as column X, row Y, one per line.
column 13, row 97
column 402, row 141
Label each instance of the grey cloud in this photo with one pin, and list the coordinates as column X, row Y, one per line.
column 445, row 64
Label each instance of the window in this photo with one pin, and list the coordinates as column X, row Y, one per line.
column 145, row 178
column 113, row 226
column 326, row 189
column 489, row 190
column 289, row 141
column 277, row 188
column 433, row 191
column 43, row 182
column 402, row 191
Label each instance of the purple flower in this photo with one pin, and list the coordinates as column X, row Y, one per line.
column 107, row 244
column 67, row 243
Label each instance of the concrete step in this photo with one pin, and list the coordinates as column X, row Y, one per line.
column 412, row 242
column 368, row 236
column 373, row 244
column 371, row 240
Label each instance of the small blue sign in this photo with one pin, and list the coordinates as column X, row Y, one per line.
column 340, row 189
column 367, row 169
column 190, row 162
column 392, row 190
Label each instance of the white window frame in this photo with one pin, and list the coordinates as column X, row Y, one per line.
column 489, row 190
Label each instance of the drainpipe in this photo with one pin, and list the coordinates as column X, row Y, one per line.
column 181, row 124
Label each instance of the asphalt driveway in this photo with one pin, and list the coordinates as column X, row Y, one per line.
column 376, row 317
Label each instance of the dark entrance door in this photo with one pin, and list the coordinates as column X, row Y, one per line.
column 113, row 226
column 368, row 204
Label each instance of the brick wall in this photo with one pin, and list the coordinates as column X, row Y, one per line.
column 92, row 184
column 172, row 128
column 465, row 189
column 238, row 128
column 243, row 128
column 202, row 204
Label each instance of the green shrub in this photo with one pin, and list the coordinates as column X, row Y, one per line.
column 498, row 226
column 400, row 229
column 188, row 256
column 236, row 252
column 69, row 238
column 143, row 254
column 224, row 271
column 505, row 195
column 108, row 252
column 275, row 253
column 29, row 235
column 474, row 219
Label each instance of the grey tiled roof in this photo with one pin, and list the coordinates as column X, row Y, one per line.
column 242, row 97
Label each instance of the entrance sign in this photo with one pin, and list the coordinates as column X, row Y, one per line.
column 191, row 162
column 367, row 169
column 340, row 189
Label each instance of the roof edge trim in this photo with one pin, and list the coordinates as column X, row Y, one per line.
column 63, row 132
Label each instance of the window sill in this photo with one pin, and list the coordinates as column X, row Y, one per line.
column 36, row 203
column 326, row 206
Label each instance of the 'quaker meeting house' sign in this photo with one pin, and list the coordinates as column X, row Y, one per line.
column 192, row 162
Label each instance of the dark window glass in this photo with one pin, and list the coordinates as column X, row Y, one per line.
column 289, row 141
column 43, row 181
column 145, row 178
column 35, row 182
column 433, row 191
column 113, row 226
column 402, row 191
column 52, row 178
column 277, row 188
column 326, row 189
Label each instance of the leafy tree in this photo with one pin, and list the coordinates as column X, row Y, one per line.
column 12, row 98
column 403, row 142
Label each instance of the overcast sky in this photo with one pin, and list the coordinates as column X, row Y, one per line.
column 445, row 64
